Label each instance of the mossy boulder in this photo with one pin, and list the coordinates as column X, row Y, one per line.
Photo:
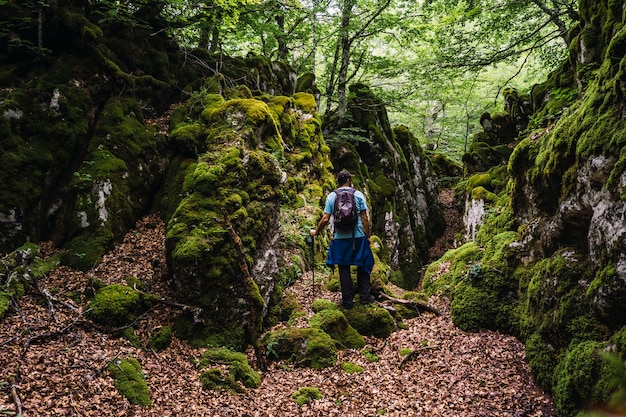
column 226, row 209
column 130, row 381
column 334, row 323
column 309, row 347
column 370, row 320
column 160, row 339
column 117, row 305
column 322, row 304
column 284, row 310
column 237, row 370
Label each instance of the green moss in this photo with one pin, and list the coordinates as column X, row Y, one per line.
column 160, row 339
column 5, row 302
column 236, row 362
column 334, row 323
column 543, row 359
column 321, row 304
column 117, row 305
column 370, row 355
column 286, row 309
column 227, row 334
column 128, row 333
column 306, row 394
column 303, row 347
column 576, row 377
column 351, row 368
column 305, row 102
column 370, row 320
column 130, row 381
column 213, row 379
column 443, row 274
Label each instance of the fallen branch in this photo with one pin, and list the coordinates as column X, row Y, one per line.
column 411, row 303
column 48, row 335
column 413, row 353
column 185, row 307
column 16, row 397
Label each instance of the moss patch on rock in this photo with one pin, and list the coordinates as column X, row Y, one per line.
column 237, row 370
column 117, row 305
column 309, row 347
column 160, row 339
column 334, row 323
column 306, row 394
column 130, row 381
column 370, row 320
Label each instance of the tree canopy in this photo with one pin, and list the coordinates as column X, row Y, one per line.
column 428, row 59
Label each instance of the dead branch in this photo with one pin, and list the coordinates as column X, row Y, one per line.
column 413, row 353
column 48, row 335
column 185, row 307
column 411, row 303
column 16, row 397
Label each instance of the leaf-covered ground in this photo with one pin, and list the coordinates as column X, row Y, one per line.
column 53, row 360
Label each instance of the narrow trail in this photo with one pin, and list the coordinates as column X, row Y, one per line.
column 54, row 363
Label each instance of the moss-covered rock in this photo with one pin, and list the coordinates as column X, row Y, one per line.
column 117, row 305
column 130, row 381
column 160, row 339
column 334, row 323
column 370, row 320
column 237, row 370
column 322, row 304
column 309, row 347
column 284, row 310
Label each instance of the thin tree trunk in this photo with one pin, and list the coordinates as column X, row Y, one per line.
column 346, row 46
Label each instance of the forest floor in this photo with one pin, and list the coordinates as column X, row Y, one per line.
column 53, row 360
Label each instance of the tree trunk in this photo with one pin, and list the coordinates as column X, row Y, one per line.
column 346, row 46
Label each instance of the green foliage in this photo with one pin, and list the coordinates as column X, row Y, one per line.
column 130, row 381
column 306, row 394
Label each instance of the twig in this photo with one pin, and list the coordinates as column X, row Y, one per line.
column 412, row 303
column 48, row 335
column 413, row 353
column 16, row 397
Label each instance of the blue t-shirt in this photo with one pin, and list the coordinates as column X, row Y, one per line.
column 360, row 206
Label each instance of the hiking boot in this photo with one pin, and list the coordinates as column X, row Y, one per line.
column 367, row 299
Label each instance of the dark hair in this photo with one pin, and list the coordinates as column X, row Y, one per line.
column 343, row 177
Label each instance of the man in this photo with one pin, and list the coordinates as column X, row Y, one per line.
column 350, row 247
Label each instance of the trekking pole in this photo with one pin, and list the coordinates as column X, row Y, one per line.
column 313, row 265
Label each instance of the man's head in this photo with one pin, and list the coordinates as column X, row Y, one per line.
column 344, row 177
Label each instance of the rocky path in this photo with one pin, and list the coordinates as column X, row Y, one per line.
column 52, row 361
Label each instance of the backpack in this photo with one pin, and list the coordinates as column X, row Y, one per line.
column 344, row 211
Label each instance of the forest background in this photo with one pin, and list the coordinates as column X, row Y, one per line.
column 437, row 65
